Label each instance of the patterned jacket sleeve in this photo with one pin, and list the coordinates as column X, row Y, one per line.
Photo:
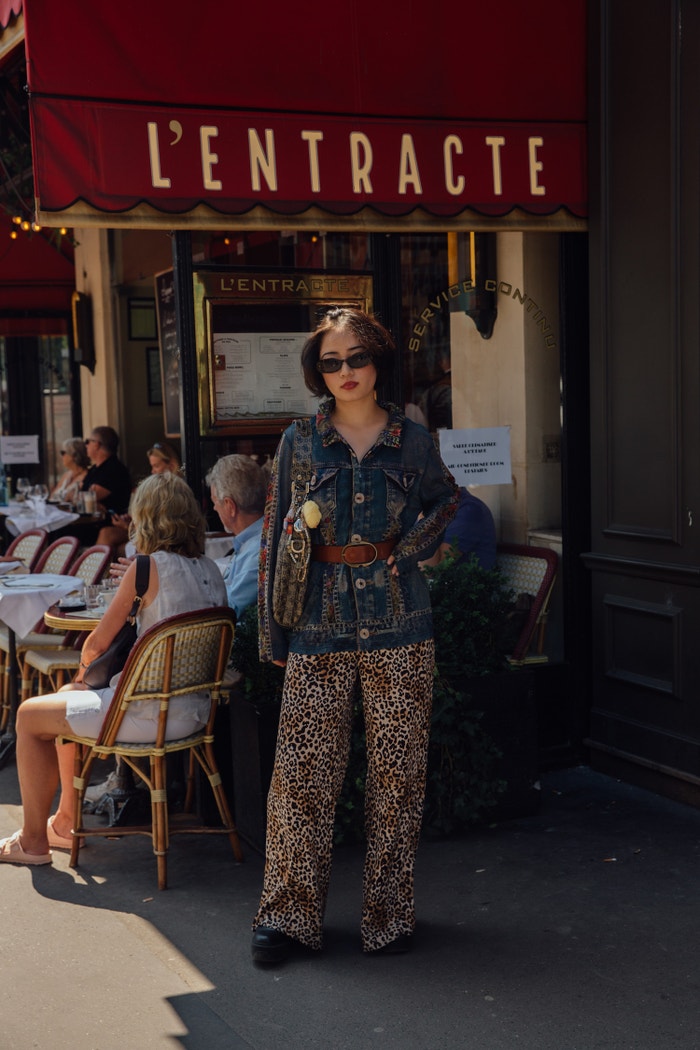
column 272, row 637
column 439, row 495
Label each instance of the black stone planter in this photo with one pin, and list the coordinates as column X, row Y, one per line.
column 253, row 740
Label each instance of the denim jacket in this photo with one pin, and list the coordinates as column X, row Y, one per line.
column 400, row 490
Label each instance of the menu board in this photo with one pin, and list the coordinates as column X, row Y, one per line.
column 169, row 351
column 274, row 386
column 251, row 329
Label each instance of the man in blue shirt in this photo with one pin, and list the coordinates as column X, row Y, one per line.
column 471, row 531
column 238, row 487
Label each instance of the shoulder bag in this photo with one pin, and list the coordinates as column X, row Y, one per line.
column 102, row 669
column 294, row 549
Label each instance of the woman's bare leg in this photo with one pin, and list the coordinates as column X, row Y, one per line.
column 39, row 721
column 63, row 818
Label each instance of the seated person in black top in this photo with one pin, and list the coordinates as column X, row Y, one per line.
column 108, row 478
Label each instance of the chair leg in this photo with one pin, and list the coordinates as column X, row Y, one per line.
column 159, row 818
column 4, row 693
column 81, row 775
column 208, row 763
column 190, row 782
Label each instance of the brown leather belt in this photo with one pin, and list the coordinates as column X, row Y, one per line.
column 361, row 553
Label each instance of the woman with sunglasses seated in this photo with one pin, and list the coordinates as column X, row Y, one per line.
column 162, row 459
column 382, row 500
column 75, row 460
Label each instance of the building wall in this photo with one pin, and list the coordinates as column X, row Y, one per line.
column 114, row 267
column 645, row 430
column 512, row 379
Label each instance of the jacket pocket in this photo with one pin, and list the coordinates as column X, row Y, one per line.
column 323, row 491
column 399, row 487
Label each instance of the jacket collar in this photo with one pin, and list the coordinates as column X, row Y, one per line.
column 390, row 436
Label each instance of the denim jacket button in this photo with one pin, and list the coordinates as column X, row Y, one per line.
column 356, row 538
column 361, row 584
column 364, row 634
column 359, row 497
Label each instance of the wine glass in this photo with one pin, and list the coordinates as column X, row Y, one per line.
column 41, row 492
column 23, row 487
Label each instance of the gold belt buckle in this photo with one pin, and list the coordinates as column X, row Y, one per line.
column 359, row 564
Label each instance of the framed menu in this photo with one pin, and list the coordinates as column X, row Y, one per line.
column 250, row 329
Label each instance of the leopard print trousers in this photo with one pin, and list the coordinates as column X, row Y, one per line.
column 312, row 755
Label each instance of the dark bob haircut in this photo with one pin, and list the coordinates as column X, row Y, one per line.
column 369, row 333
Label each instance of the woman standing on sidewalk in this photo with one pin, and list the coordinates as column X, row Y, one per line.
column 385, row 498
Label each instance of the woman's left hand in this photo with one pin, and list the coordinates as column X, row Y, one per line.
column 393, row 567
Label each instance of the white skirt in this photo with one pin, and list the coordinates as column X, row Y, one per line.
column 86, row 710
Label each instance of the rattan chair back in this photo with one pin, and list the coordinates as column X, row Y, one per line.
column 181, row 655
column 91, row 564
column 58, row 555
column 28, row 546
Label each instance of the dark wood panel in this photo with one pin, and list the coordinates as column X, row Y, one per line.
column 642, row 347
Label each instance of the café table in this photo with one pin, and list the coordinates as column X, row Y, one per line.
column 23, row 600
column 20, row 516
column 76, row 620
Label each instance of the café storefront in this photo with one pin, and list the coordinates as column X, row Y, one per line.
column 362, row 165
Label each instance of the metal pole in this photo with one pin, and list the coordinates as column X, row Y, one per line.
column 189, row 399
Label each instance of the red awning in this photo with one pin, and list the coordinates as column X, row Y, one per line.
column 368, row 108
column 9, row 9
column 35, row 276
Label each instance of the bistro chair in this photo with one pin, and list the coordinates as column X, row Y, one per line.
column 183, row 654
column 530, row 572
column 51, row 656
column 57, row 557
column 54, row 559
column 28, row 546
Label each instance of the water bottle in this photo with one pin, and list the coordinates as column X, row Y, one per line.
column 3, row 486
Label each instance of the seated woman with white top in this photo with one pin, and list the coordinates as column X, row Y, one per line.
column 168, row 526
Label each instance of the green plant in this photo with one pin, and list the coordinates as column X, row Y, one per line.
column 473, row 618
column 461, row 784
column 262, row 682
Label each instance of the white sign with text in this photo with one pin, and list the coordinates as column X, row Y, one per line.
column 19, row 449
column 480, row 456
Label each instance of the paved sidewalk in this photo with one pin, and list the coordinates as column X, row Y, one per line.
column 575, row 929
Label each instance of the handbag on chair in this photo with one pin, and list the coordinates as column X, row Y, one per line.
column 102, row 669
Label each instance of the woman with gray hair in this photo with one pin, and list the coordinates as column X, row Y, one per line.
column 75, row 462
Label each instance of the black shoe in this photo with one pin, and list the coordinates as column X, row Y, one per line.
column 399, row 946
column 270, row 946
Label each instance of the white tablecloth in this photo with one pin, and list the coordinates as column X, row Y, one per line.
column 23, row 516
column 24, row 599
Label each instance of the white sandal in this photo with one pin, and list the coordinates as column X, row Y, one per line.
column 11, row 852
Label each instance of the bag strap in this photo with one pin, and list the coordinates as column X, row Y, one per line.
column 143, row 573
column 301, row 461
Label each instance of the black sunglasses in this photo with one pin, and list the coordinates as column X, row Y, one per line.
column 333, row 364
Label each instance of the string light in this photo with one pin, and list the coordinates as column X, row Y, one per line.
column 31, row 227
